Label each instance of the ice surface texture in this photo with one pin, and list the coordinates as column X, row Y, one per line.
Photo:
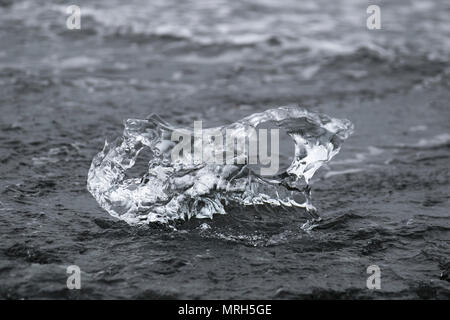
column 184, row 188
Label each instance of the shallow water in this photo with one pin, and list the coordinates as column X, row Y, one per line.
column 384, row 198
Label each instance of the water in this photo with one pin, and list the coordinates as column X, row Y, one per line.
column 383, row 199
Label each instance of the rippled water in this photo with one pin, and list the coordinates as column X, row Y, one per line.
column 384, row 199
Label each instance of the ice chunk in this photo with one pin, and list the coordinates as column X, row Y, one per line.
column 192, row 186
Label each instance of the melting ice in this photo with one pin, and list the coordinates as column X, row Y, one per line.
column 181, row 189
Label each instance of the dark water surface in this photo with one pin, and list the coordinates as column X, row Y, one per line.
column 384, row 199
